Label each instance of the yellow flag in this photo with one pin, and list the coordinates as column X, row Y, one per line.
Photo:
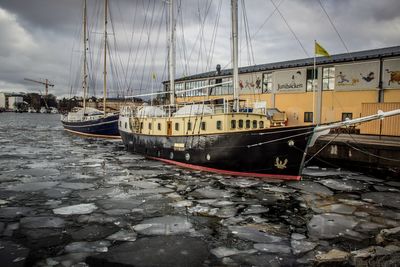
column 319, row 50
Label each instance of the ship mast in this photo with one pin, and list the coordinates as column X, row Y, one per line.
column 105, row 58
column 235, row 65
column 171, row 53
column 84, row 82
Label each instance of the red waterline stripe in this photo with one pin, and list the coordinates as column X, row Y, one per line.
column 93, row 135
column 234, row 173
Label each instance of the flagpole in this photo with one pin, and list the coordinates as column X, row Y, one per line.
column 313, row 84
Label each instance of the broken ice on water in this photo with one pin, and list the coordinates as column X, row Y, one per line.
column 76, row 209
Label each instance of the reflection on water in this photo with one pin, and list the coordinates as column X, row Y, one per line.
column 67, row 200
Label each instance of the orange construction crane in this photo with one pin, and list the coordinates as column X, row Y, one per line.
column 46, row 83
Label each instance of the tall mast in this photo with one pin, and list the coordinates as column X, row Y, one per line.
column 234, row 8
column 84, row 82
column 171, row 54
column 105, row 58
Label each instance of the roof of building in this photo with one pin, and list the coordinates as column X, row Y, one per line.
column 338, row 58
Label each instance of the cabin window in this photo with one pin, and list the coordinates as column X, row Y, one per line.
column 254, row 124
column 308, row 117
column 347, row 116
column 328, row 78
column 159, row 126
column 141, row 125
column 149, row 125
column 221, row 89
column 189, row 126
column 176, row 126
column 120, row 123
column 240, row 124
column 310, row 79
column 219, row 125
column 203, row 125
column 261, row 124
column 233, row 124
column 247, row 124
column 267, row 83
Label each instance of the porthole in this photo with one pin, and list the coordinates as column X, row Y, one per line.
column 208, row 157
column 187, row 156
column 171, row 155
column 291, row 142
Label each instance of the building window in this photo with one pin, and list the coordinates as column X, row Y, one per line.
column 159, row 126
column 233, row 124
column 176, row 126
column 126, row 125
column 189, row 126
column 180, row 87
column 267, row 83
column 203, row 125
column 247, row 124
column 141, row 125
column 149, row 125
column 310, row 79
column 194, row 85
column 254, row 124
column 221, row 89
column 240, row 124
column 328, row 78
column 347, row 116
column 219, row 125
column 261, row 124
column 120, row 123
column 308, row 117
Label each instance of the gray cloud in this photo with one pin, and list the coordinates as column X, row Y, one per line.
column 41, row 38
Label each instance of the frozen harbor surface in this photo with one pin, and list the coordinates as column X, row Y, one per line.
column 67, row 201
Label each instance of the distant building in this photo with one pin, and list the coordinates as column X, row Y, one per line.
column 3, row 101
column 13, row 101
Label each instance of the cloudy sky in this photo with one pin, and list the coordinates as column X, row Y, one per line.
column 42, row 38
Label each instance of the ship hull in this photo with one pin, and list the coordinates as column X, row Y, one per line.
column 97, row 128
column 269, row 153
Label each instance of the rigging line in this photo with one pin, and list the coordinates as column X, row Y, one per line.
column 214, row 36
column 371, row 154
column 334, row 27
column 319, row 151
column 366, row 152
column 135, row 65
column 154, row 54
column 131, row 46
column 291, row 30
column 148, row 45
column 250, row 53
column 124, row 70
column 279, row 139
column 184, row 49
column 259, row 29
column 284, row 131
column 201, row 32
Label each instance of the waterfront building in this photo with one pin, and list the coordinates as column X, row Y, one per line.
column 346, row 86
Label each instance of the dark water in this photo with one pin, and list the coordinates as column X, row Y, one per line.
column 68, row 201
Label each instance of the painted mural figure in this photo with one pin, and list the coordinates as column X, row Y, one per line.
column 258, row 83
column 369, row 77
column 394, row 76
column 342, row 78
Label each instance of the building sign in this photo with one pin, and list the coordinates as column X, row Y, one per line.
column 250, row 83
column 292, row 80
column 357, row 76
column 391, row 73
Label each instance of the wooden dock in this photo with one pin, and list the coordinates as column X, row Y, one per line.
column 367, row 153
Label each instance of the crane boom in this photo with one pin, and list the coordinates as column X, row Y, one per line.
column 46, row 83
